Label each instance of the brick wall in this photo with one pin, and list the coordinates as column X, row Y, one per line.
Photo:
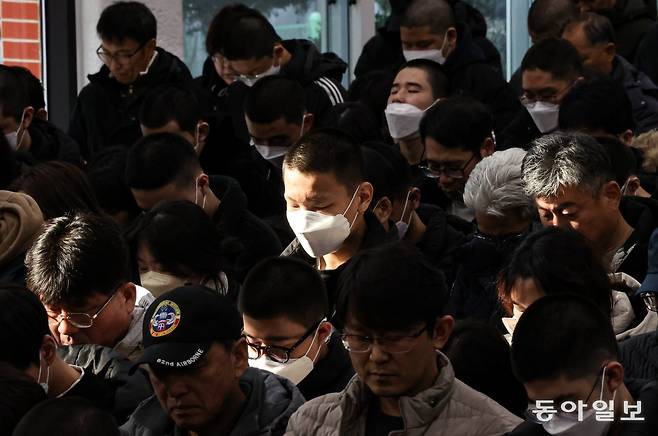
column 20, row 34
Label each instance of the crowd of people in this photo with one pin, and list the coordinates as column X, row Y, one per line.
column 260, row 251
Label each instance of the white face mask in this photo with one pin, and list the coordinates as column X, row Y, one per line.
column 432, row 55
column 250, row 80
column 274, row 154
column 571, row 426
column 544, row 114
column 294, row 370
column 510, row 323
column 44, row 385
column 159, row 283
column 403, row 119
column 401, row 225
column 320, row 234
column 13, row 137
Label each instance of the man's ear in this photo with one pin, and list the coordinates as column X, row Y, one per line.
column 442, row 331
column 309, row 122
column 278, row 52
column 365, row 195
column 383, row 210
column 487, row 147
column 614, row 375
column 203, row 130
column 240, row 356
column 612, row 194
column 627, row 137
column 42, row 114
column 451, row 36
column 48, row 349
column 415, row 198
column 324, row 332
column 610, row 50
column 127, row 294
column 27, row 117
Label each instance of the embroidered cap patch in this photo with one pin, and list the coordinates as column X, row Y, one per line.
column 165, row 319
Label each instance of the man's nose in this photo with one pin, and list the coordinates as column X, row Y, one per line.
column 66, row 328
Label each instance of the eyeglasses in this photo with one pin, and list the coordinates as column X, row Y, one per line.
column 499, row 241
column 275, row 352
column 548, row 97
column 82, row 320
column 394, row 344
column 121, row 58
column 434, row 170
column 649, row 299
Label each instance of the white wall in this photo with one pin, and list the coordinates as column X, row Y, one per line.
column 169, row 14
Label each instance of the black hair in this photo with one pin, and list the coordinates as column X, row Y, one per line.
column 391, row 288
column 58, row 188
column 327, row 151
column 168, row 103
column 127, row 20
column 67, row 416
column 555, row 56
column 355, row 119
column 32, row 86
column 13, row 95
column 250, row 37
column 373, row 89
column 221, row 23
column 472, row 342
column 576, row 339
column 159, row 159
column 436, row 75
column 10, row 167
column 19, row 393
column 183, row 239
column 387, row 170
column 558, row 261
column 548, row 17
column 75, row 256
column 597, row 104
column 437, row 14
column 457, row 123
column 106, row 172
column 597, row 28
column 275, row 97
column 622, row 158
column 274, row 283
column 24, row 323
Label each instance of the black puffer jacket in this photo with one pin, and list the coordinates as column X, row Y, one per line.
column 50, row 143
column 641, row 91
column 106, row 111
column 639, row 355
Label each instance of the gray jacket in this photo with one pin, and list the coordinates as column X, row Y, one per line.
column 270, row 402
column 446, row 409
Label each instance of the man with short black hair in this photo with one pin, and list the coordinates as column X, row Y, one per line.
column 106, row 111
column 594, row 38
column 430, row 30
column 549, row 70
column 391, row 312
column 292, row 340
column 197, row 359
column 577, row 363
column 79, row 269
column 26, row 132
column 457, row 133
column 327, row 200
column 418, row 85
column 571, row 179
column 164, row 167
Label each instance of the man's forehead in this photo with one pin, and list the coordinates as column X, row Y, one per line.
column 417, row 32
column 312, row 185
column 565, row 197
column 119, row 44
column 411, row 76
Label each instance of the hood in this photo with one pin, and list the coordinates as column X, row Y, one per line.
column 271, row 400
column 50, row 143
column 167, row 68
column 641, row 214
column 20, row 221
column 210, row 80
column 233, row 203
column 308, row 64
column 441, row 239
column 466, row 53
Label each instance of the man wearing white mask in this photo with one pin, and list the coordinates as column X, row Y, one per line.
column 327, row 199
column 549, row 70
column 419, row 84
column 577, row 364
column 429, row 30
column 292, row 340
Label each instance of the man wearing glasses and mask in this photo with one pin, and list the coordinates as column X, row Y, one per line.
column 457, row 133
column 390, row 308
column 292, row 340
column 106, row 111
column 79, row 269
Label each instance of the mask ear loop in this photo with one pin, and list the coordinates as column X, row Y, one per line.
column 196, row 194
column 20, row 141
column 350, row 205
column 301, row 131
column 404, row 209
column 44, row 385
column 313, row 341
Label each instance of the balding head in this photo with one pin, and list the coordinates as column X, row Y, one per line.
column 428, row 25
column 547, row 18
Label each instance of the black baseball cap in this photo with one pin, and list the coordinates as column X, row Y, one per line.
column 180, row 326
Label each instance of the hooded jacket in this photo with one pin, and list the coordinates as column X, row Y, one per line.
column 469, row 74
column 449, row 407
column 631, row 20
column 106, row 112
column 50, row 143
column 253, row 239
column 129, row 390
column 641, row 91
column 271, row 400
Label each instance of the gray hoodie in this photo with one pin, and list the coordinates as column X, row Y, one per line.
column 271, row 400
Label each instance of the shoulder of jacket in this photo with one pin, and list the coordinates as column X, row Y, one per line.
column 474, row 403
column 333, row 91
